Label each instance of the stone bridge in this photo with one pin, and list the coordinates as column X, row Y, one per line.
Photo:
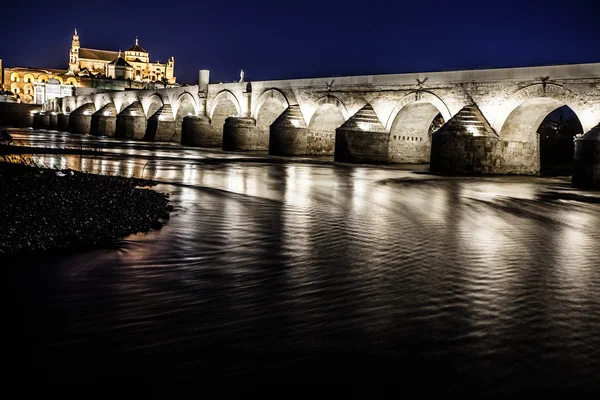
column 490, row 117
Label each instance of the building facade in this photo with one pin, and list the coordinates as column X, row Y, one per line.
column 89, row 68
column 22, row 82
column 133, row 64
column 53, row 89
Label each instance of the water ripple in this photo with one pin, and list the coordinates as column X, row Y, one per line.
column 280, row 270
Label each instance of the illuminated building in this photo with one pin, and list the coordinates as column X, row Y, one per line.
column 25, row 83
column 89, row 68
column 97, row 63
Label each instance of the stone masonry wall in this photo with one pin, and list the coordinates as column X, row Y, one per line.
column 17, row 115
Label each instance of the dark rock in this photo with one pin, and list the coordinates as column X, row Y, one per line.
column 68, row 209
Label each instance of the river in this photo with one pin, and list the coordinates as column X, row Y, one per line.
column 296, row 271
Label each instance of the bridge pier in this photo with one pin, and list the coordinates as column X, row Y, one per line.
column 131, row 122
column 161, row 125
column 240, row 133
column 80, row 120
column 196, row 131
column 18, row 115
column 62, row 124
column 41, row 120
column 104, row 121
column 362, row 139
column 465, row 144
column 586, row 171
column 288, row 134
column 103, row 125
column 53, row 121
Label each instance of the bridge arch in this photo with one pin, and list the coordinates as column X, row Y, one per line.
column 69, row 104
column 107, row 109
column 122, row 102
column 85, row 109
column 101, row 101
column 418, row 97
column 221, row 101
column 333, row 101
column 129, row 100
column 152, row 104
column 535, row 120
column 270, row 105
column 410, row 125
column 329, row 114
column 549, row 91
column 83, row 100
column 187, row 101
column 184, row 105
column 270, row 94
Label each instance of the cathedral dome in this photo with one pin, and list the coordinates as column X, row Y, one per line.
column 136, row 48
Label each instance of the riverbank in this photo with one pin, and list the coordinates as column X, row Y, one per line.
column 45, row 209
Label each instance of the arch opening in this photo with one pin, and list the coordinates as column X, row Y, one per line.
column 155, row 104
column 326, row 119
column 321, row 129
column 225, row 96
column 411, row 130
column 550, row 126
column 270, row 94
column 224, row 109
column 186, row 107
column 557, row 147
column 268, row 113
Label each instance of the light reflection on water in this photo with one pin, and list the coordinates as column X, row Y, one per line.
column 302, row 268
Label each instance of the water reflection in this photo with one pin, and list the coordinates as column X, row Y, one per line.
column 288, row 269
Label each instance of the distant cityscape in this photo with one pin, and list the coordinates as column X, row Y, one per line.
column 87, row 69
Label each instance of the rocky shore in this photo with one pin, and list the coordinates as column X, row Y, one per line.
column 47, row 209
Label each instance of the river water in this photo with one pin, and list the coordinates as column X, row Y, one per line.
column 297, row 271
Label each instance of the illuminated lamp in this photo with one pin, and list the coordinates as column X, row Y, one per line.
column 472, row 130
column 364, row 126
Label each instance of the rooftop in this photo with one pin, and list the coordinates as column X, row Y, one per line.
column 94, row 54
column 136, row 47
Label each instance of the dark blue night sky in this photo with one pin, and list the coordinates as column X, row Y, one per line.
column 309, row 38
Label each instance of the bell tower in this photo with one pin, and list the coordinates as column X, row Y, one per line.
column 74, row 54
